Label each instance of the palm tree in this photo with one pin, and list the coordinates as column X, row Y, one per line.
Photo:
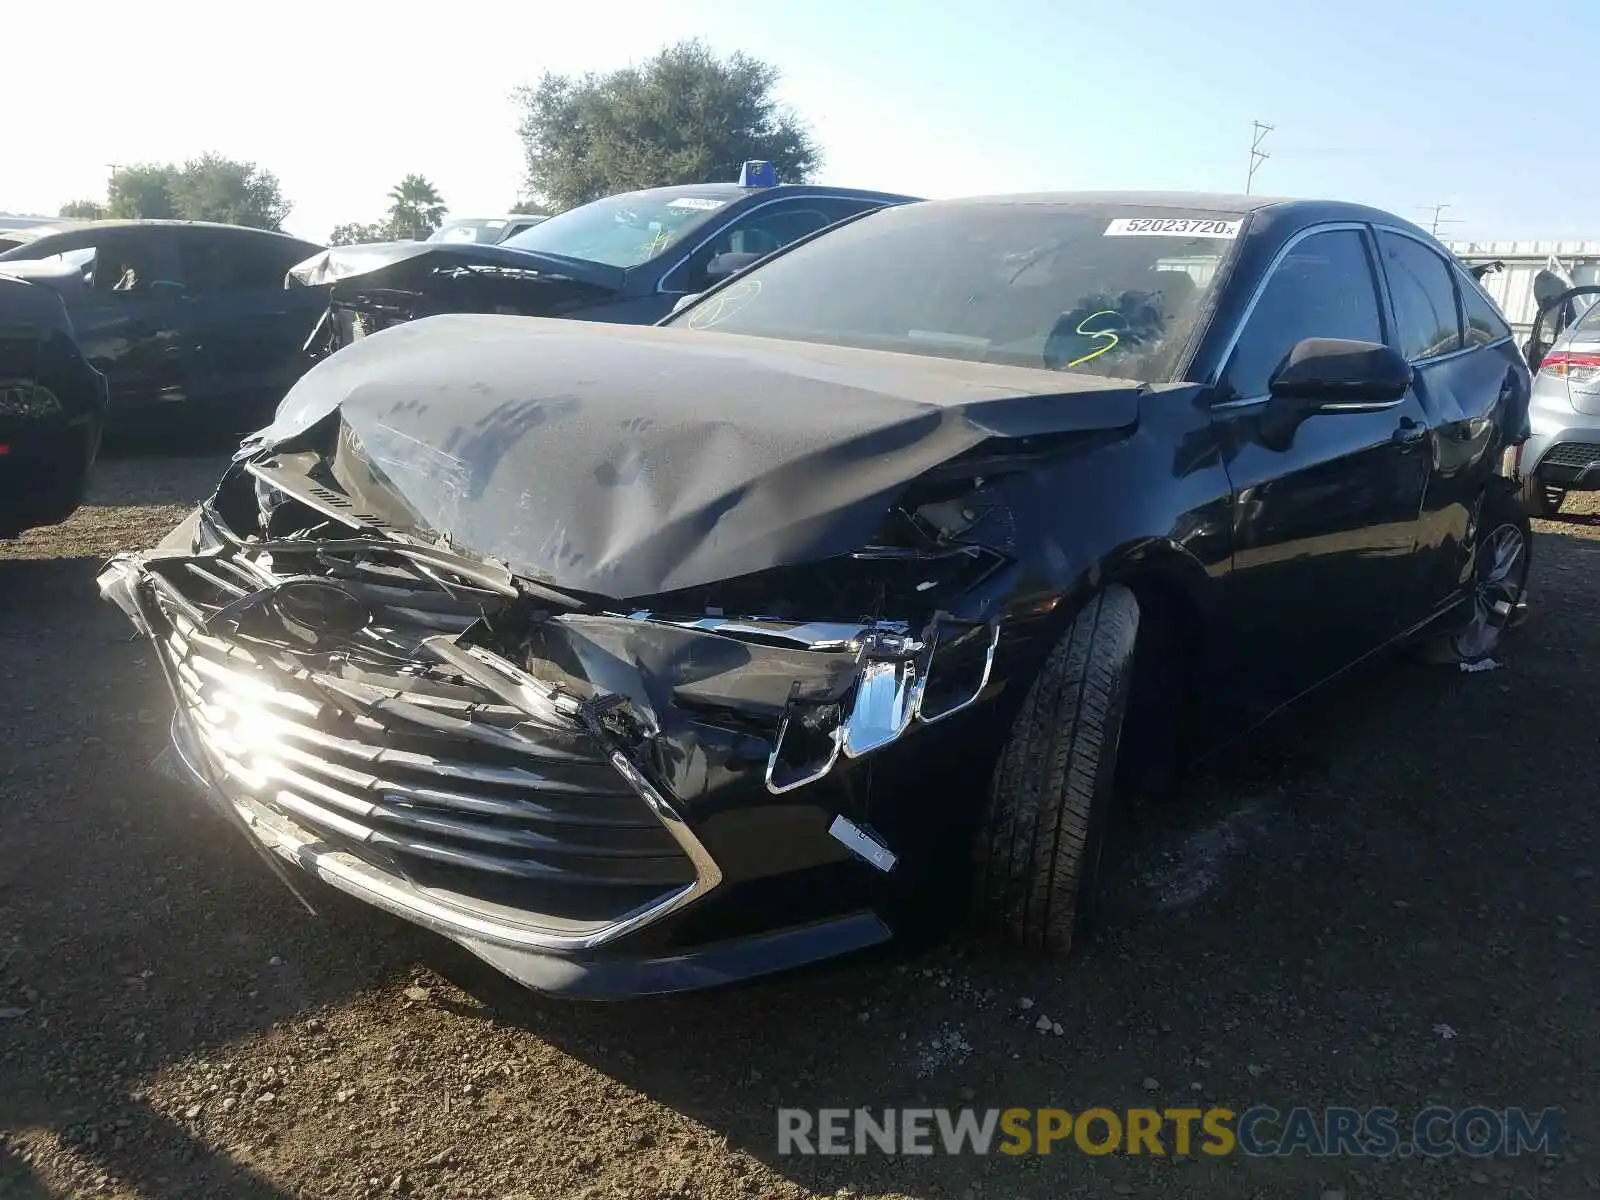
column 415, row 208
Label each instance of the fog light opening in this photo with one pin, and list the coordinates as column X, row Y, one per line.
column 958, row 670
column 807, row 746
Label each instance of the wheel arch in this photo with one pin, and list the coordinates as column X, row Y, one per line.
column 1177, row 614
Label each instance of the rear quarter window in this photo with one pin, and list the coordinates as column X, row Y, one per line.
column 1483, row 323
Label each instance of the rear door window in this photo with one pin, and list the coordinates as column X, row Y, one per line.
column 1423, row 295
column 213, row 264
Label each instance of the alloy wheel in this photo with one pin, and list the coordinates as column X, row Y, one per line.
column 1502, row 578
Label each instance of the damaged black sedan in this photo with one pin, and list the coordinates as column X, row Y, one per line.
column 637, row 659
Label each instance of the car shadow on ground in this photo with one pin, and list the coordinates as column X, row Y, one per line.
column 118, row 955
column 1377, row 866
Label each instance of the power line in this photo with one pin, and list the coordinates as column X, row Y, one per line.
column 1257, row 154
column 1436, row 210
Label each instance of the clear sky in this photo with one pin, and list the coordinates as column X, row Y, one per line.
column 1395, row 103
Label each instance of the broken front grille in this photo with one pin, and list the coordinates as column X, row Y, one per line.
column 411, row 767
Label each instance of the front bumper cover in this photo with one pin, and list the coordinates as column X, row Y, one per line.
column 565, row 828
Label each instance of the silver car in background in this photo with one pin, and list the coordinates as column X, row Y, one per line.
column 1564, row 452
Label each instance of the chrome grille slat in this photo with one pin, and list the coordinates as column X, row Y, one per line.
column 284, row 734
column 216, row 581
column 408, row 762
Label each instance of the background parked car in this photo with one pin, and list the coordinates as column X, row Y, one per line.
column 183, row 318
column 20, row 231
column 624, row 259
column 1564, row 348
column 485, row 230
column 52, row 409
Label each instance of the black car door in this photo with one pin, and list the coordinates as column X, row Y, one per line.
column 244, row 329
column 1468, row 374
column 1325, row 518
column 127, row 318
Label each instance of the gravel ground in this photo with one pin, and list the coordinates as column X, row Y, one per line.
column 1390, row 897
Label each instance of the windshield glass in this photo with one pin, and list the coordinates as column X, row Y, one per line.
column 1105, row 292
column 621, row 231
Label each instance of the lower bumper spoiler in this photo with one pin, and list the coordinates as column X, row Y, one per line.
column 530, row 960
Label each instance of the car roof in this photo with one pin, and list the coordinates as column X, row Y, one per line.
column 734, row 191
column 163, row 223
column 1307, row 211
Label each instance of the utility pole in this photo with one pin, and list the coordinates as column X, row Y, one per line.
column 1257, row 154
column 1438, row 220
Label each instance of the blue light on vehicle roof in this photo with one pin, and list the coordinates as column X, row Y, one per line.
column 758, row 174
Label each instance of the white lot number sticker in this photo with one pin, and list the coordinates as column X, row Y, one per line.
column 696, row 203
column 1173, row 227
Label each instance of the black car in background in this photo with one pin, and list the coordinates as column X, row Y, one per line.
column 188, row 321
column 645, row 658
column 626, row 259
column 52, row 409
column 19, row 231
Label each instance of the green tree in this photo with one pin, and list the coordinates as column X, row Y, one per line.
column 214, row 188
column 208, row 188
column 529, row 208
column 684, row 116
column 141, row 192
column 83, row 210
column 415, row 208
column 354, row 232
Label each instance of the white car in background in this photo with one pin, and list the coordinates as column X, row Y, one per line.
column 485, row 231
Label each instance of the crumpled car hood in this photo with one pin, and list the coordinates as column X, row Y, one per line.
column 627, row 461
column 338, row 263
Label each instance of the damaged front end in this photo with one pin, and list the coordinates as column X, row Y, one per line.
column 372, row 287
column 554, row 780
column 621, row 655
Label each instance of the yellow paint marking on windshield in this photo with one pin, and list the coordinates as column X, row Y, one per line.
column 1096, row 333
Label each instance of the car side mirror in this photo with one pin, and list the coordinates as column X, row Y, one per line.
column 1338, row 375
column 1331, row 375
column 683, row 302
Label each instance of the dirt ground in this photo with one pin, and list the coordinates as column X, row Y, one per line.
column 1390, row 897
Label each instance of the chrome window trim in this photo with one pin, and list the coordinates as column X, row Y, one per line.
column 661, row 288
column 1232, row 343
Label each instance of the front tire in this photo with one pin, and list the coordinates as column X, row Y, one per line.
column 1052, row 791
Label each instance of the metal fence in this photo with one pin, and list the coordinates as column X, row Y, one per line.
column 1512, row 288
